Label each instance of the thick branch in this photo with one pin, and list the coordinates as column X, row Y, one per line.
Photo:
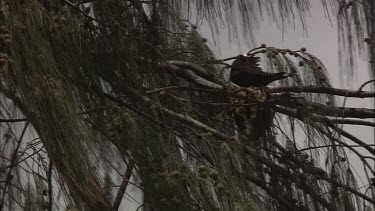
column 352, row 122
column 332, row 145
column 344, row 112
column 319, row 89
column 325, row 110
column 188, row 71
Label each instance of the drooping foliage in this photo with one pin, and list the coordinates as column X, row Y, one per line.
column 134, row 81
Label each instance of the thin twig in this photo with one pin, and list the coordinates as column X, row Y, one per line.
column 12, row 165
column 364, row 84
column 351, row 137
column 292, row 113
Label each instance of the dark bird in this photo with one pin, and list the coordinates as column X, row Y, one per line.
column 246, row 72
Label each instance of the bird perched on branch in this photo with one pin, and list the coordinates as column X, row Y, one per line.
column 246, row 72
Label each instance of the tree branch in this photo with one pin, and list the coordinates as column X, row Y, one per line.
column 190, row 75
column 197, row 69
column 352, row 122
column 325, row 90
column 325, row 110
column 13, row 120
column 332, row 145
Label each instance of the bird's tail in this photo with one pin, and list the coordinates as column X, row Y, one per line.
column 280, row 75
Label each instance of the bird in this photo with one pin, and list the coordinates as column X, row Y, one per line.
column 245, row 72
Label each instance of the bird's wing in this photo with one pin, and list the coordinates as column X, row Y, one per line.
column 247, row 62
column 248, row 70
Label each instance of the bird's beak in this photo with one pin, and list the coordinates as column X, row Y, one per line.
column 288, row 74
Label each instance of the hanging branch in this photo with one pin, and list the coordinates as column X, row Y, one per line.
column 296, row 178
column 351, row 137
column 50, row 190
column 124, row 185
column 272, row 192
column 289, row 112
column 300, row 183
